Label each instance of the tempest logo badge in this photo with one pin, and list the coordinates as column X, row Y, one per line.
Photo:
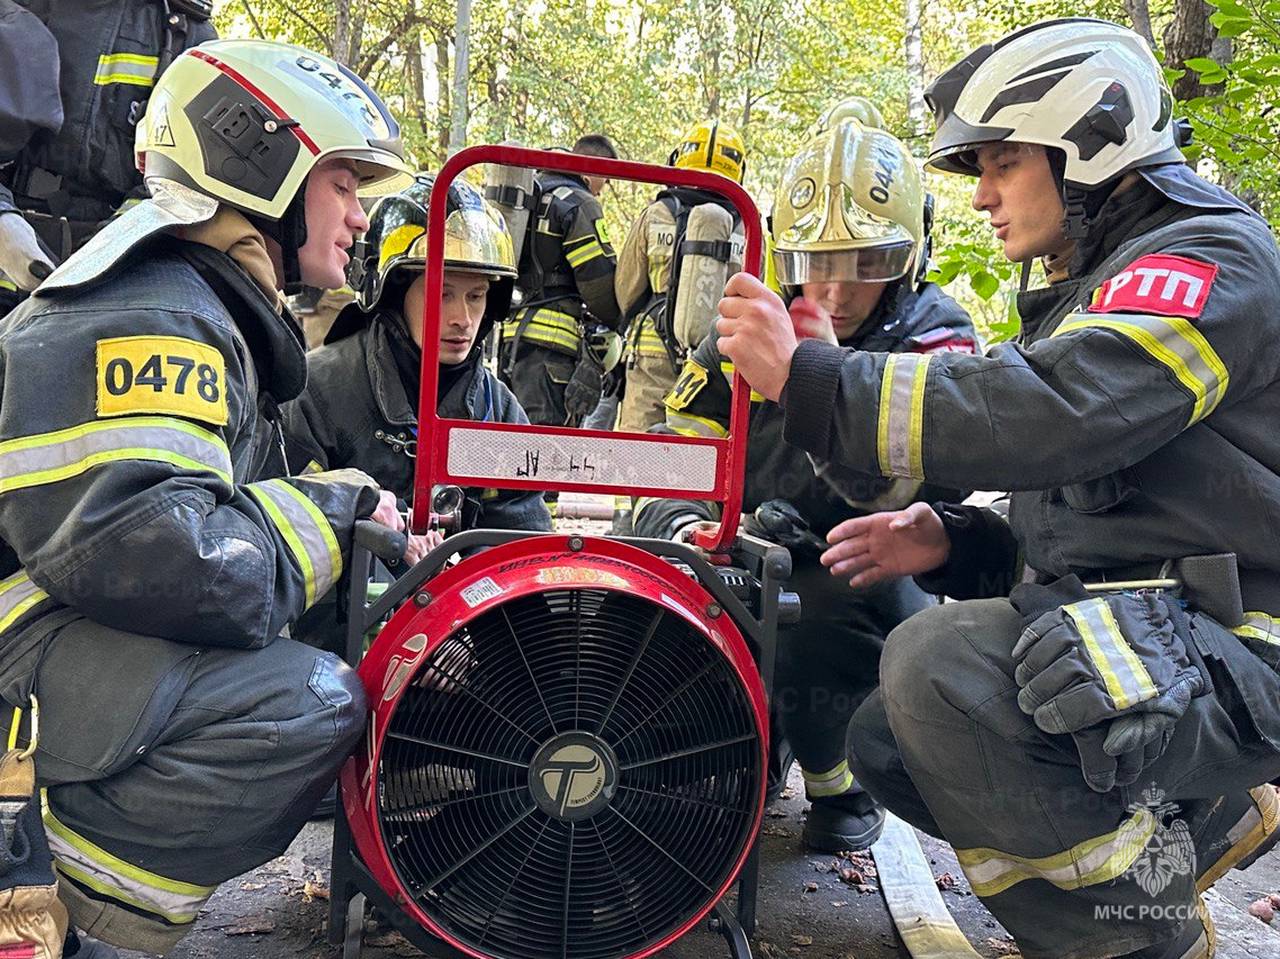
column 573, row 777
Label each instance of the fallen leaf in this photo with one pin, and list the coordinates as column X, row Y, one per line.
column 313, row 890
column 839, row 902
column 1262, row 909
column 787, row 793
column 256, row 926
column 802, row 940
column 1003, row 947
column 946, row 882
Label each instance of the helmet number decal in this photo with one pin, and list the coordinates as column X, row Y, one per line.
column 341, row 84
column 888, row 163
column 161, row 374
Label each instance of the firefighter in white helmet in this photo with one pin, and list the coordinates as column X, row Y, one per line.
column 149, row 560
column 1098, row 757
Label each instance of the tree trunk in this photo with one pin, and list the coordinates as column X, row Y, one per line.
column 916, row 108
column 442, row 92
column 342, row 32
column 461, row 74
column 1189, row 35
column 418, row 84
column 1140, row 15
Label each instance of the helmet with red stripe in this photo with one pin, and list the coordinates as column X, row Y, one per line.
column 245, row 121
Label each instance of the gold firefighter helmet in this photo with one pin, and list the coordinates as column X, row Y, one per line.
column 857, row 108
column 245, row 121
column 475, row 241
column 850, row 207
column 712, row 145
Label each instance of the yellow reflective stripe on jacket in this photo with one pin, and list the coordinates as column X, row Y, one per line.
column 688, row 424
column 307, row 532
column 52, row 457
column 1260, row 626
column 900, row 430
column 1175, row 344
column 727, row 368
column 131, row 68
column 833, row 782
column 18, row 595
column 587, row 251
column 544, row 326
column 1127, row 680
column 645, row 341
column 90, row 865
column 7, row 284
column 1089, row 863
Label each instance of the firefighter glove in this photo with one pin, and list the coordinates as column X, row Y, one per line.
column 1115, row 670
column 582, row 392
column 22, row 258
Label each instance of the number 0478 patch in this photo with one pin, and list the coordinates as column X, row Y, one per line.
column 161, row 374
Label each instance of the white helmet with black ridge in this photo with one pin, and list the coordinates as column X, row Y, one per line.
column 1089, row 89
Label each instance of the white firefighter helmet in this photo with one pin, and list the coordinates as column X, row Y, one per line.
column 245, row 121
column 1088, row 88
column 850, row 207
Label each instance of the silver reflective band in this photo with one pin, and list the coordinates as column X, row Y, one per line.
column 131, row 68
column 50, row 457
column 1127, row 680
column 18, row 595
column 1094, row 861
column 306, row 531
column 900, row 431
column 1172, row 342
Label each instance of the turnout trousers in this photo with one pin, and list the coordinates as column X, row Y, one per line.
column 1071, row 873
column 171, row 768
column 828, row 663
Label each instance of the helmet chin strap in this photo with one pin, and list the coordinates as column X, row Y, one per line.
column 290, row 231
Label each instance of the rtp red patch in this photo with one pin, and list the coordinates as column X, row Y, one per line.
column 1160, row 283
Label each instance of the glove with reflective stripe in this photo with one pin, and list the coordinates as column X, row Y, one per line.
column 22, row 258
column 1111, row 670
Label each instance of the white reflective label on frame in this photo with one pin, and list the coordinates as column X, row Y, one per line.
column 591, row 460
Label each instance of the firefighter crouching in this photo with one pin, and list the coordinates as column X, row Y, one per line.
column 851, row 263
column 360, row 405
column 148, row 563
column 1096, row 757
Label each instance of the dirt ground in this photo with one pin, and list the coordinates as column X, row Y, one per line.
column 806, row 910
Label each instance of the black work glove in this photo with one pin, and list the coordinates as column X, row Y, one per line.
column 582, row 392
column 779, row 522
column 1110, row 669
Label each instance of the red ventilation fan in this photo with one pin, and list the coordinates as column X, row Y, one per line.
column 566, row 751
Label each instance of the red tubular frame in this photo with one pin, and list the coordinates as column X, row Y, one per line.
column 433, row 432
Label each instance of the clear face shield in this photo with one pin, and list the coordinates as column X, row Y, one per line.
column 874, row 264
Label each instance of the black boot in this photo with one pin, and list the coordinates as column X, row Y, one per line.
column 849, row 822
column 82, row 947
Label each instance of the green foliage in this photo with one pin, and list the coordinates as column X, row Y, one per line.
column 546, row 71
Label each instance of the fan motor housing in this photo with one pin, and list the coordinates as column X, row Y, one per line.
column 565, row 754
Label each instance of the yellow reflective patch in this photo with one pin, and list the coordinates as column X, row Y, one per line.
column 692, row 379
column 602, row 232
column 161, row 374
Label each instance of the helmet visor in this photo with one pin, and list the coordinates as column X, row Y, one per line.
column 871, row 264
